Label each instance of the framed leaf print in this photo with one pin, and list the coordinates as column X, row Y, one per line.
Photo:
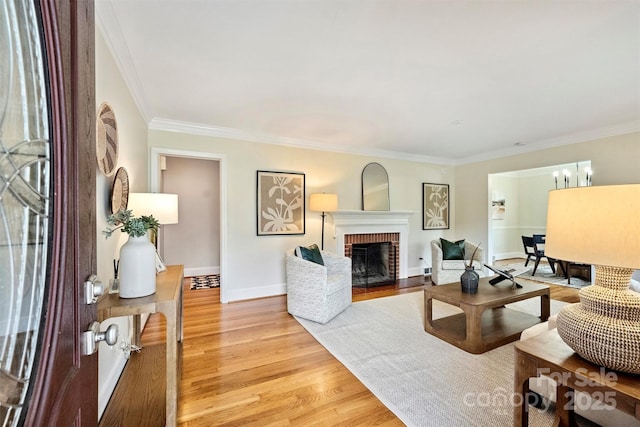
column 280, row 203
column 435, row 206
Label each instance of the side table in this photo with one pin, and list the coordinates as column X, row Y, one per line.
column 546, row 354
column 168, row 301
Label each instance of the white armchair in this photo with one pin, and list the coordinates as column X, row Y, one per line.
column 449, row 271
column 318, row 292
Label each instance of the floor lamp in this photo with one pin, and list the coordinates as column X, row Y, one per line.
column 322, row 202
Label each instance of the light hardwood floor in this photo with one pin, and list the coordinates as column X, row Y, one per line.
column 251, row 363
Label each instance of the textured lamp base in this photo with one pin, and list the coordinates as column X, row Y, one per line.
column 604, row 327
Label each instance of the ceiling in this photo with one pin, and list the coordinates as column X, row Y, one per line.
column 444, row 81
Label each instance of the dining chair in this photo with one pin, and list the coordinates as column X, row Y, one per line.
column 538, row 250
column 527, row 243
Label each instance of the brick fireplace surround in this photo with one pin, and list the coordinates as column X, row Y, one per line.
column 374, row 227
column 393, row 238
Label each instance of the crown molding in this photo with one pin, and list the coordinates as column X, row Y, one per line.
column 242, row 135
column 109, row 26
column 544, row 144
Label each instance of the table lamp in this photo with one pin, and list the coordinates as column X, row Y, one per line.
column 323, row 203
column 600, row 226
column 163, row 207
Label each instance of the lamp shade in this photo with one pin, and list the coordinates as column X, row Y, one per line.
column 163, row 207
column 323, row 202
column 595, row 225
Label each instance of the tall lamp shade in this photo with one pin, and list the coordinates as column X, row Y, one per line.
column 595, row 225
column 322, row 202
column 163, row 207
column 601, row 226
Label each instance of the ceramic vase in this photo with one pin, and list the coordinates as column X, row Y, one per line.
column 137, row 271
column 469, row 281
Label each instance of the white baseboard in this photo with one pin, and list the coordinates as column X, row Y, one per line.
column 415, row 271
column 201, row 271
column 508, row 255
column 113, row 358
column 257, row 292
column 280, row 289
column 109, row 385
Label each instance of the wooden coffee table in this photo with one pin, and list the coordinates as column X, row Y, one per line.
column 484, row 323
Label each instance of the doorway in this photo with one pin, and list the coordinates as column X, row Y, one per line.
column 518, row 204
column 202, row 210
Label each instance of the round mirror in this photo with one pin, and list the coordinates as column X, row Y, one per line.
column 375, row 188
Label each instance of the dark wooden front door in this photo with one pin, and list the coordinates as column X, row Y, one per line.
column 48, row 237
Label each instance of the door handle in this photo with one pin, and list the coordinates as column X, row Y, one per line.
column 93, row 288
column 92, row 336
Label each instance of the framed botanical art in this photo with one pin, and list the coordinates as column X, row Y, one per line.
column 435, row 206
column 280, row 203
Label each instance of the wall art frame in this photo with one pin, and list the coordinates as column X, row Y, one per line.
column 280, row 203
column 498, row 209
column 435, row 206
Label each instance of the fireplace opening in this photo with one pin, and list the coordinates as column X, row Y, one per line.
column 373, row 264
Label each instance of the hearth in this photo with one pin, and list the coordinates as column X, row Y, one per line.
column 374, row 258
column 355, row 227
column 373, row 264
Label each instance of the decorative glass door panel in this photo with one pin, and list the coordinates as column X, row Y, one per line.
column 25, row 187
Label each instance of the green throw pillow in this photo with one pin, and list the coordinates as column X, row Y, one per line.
column 452, row 250
column 310, row 253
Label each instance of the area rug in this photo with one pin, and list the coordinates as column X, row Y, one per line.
column 423, row 380
column 205, row 282
column 545, row 275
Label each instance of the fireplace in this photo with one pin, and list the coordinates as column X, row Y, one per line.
column 373, row 264
column 374, row 258
column 363, row 227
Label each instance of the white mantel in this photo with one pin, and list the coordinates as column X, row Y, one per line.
column 363, row 222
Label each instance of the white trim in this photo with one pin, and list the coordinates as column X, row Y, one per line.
column 359, row 222
column 111, row 381
column 257, row 292
column 543, row 144
column 259, row 137
column 244, row 135
column 416, row 271
column 109, row 26
column 154, row 179
column 201, row 271
column 508, row 255
column 519, row 227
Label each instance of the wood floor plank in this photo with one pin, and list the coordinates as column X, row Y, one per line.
column 251, row 363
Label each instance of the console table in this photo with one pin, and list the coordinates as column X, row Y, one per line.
column 168, row 301
column 547, row 354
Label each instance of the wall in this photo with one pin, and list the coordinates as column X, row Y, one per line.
column 533, row 192
column 614, row 160
column 197, row 184
column 506, row 188
column 255, row 264
column 132, row 135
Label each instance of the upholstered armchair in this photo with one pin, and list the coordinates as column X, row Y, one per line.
column 449, row 271
column 318, row 292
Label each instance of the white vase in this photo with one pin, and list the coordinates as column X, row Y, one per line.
column 137, row 268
